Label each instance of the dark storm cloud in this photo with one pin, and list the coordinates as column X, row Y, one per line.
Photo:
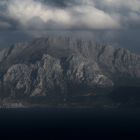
column 113, row 21
column 72, row 14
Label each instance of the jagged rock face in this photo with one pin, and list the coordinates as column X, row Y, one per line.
column 18, row 77
column 49, row 78
column 81, row 70
column 120, row 61
column 54, row 66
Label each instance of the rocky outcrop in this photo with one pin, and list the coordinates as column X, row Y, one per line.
column 58, row 66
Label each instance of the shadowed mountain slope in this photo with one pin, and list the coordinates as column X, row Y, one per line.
column 57, row 67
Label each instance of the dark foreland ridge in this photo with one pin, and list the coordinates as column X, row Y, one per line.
column 68, row 71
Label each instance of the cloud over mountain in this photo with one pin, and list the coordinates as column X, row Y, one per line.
column 113, row 20
column 75, row 14
column 31, row 13
column 4, row 25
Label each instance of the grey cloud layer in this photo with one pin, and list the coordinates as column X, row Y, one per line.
column 77, row 14
column 36, row 14
column 31, row 13
column 116, row 21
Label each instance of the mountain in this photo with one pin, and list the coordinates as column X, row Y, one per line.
column 56, row 69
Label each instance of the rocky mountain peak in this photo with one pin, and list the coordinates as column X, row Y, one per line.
column 56, row 66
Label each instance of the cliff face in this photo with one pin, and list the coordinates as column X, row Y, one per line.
column 56, row 66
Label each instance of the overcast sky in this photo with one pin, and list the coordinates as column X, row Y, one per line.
column 110, row 21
